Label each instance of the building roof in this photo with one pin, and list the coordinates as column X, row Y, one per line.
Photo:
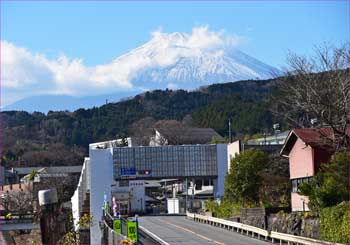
column 152, row 183
column 315, row 137
column 188, row 135
column 54, row 169
column 277, row 139
column 46, row 172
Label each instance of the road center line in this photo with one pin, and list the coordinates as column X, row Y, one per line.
column 194, row 233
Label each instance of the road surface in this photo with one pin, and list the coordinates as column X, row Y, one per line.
column 180, row 230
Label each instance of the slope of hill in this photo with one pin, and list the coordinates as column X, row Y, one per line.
column 46, row 103
column 33, row 137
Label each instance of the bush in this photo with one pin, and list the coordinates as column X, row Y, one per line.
column 228, row 210
column 330, row 185
column 243, row 180
column 223, row 210
column 335, row 223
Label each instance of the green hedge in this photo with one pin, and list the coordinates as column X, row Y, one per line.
column 335, row 223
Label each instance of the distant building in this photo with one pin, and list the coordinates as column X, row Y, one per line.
column 238, row 146
column 15, row 175
column 307, row 149
column 172, row 135
column 123, row 172
column 183, row 136
column 276, row 139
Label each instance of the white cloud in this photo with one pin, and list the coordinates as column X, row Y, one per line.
column 172, row 86
column 25, row 73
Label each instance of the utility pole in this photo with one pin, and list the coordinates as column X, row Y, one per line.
column 229, row 130
column 186, row 195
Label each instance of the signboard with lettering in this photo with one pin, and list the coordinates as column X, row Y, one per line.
column 131, row 230
column 117, row 226
column 127, row 171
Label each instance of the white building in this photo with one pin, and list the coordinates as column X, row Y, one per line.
column 108, row 167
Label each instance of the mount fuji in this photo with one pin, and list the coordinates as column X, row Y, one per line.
column 170, row 61
column 173, row 61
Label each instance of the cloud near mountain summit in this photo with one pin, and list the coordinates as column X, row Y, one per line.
column 25, row 73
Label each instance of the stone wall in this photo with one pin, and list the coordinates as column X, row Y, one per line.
column 282, row 220
column 296, row 224
column 258, row 217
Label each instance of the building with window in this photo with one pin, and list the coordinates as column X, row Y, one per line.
column 183, row 136
column 123, row 172
column 238, row 146
column 306, row 149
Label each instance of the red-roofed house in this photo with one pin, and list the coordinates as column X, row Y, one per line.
column 307, row 149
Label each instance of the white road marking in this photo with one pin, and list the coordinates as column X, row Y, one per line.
column 153, row 235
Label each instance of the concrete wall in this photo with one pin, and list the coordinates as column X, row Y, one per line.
column 137, row 192
column 17, row 187
column 299, row 203
column 79, row 195
column 222, row 170
column 101, row 178
column 301, row 162
column 232, row 150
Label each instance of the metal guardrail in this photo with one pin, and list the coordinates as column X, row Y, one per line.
column 256, row 232
column 110, row 237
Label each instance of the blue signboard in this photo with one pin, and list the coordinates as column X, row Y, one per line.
column 127, row 171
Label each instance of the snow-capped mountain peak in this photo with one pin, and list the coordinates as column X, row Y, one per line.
column 168, row 60
column 179, row 60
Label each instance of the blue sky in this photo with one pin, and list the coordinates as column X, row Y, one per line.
column 100, row 31
column 94, row 32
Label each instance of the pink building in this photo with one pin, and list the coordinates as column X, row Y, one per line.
column 306, row 149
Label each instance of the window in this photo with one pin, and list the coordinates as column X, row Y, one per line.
column 198, row 185
column 297, row 182
column 123, row 183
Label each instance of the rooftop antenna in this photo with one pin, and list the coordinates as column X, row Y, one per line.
column 276, row 127
column 313, row 121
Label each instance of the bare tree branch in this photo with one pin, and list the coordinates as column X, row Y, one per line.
column 318, row 87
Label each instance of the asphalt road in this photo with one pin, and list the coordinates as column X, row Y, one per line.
column 180, row 230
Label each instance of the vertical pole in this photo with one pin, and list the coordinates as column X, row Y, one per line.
column 229, row 130
column 166, row 201
column 186, row 195
column 192, row 198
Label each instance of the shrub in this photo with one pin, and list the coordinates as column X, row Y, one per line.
column 330, row 185
column 335, row 223
column 243, row 180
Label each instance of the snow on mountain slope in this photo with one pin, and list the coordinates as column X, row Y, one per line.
column 171, row 60
column 168, row 60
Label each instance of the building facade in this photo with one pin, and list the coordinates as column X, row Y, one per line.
column 108, row 167
column 306, row 149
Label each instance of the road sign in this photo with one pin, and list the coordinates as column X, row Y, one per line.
column 131, row 227
column 117, row 226
column 127, row 171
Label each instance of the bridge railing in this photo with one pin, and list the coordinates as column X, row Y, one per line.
column 109, row 236
column 255, row 232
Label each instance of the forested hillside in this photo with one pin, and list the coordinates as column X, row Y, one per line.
column 62, row 138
